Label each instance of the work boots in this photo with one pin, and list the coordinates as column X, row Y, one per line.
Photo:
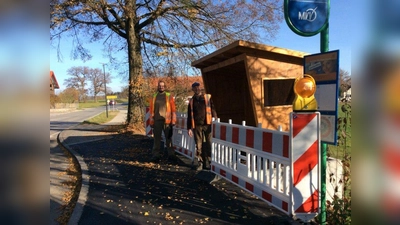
column 206, row 159
column 197, row 164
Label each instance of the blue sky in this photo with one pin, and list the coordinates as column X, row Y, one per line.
column 340, row 35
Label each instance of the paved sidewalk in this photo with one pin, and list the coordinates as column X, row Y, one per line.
column 119, row 119
column 121, row 186
column 84, row 134
column 59, row 164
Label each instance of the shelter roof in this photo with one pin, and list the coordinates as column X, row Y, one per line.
column 239, row 47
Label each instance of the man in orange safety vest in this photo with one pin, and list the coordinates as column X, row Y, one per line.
column 162, row 119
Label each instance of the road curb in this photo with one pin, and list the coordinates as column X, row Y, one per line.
column 82, row 198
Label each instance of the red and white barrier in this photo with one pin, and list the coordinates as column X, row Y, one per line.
column 183, row 144
column 149, row 131
column 389, row 157
column 255, row 159
column 181, row 121
column 282, row 168
column 305, row 143
column 275, row 142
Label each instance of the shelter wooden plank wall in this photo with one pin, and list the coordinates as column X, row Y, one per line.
column 234, row 75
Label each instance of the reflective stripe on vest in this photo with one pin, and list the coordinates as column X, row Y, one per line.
column 207, row 98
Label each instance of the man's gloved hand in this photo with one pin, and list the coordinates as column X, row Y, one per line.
column 171, row 124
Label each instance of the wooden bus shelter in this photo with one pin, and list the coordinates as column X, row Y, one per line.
column 252, row 82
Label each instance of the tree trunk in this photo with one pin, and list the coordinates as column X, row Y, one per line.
column 135, row 115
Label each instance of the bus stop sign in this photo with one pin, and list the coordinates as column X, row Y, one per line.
column 306, row 17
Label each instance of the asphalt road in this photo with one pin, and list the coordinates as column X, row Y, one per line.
column 63, row 121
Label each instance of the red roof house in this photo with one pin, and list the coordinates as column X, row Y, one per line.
column 53, row 82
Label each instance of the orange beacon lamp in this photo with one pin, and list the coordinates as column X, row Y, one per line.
column 304, row 89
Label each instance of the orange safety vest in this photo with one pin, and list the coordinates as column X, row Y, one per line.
column 170, row 114
column 207, row 98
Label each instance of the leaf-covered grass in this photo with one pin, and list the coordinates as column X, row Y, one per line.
column 102, row 118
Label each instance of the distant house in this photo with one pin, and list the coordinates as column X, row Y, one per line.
column 348, row 93
column 346, row 96
column 53, row 83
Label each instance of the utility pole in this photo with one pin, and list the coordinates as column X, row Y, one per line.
column 105, row 89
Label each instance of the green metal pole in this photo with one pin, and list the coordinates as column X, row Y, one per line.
column 323, row 183
column 324, row 48
column 325, row 38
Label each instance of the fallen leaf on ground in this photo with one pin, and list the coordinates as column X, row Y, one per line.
column 168, row 216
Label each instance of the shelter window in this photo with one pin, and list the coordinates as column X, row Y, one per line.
column 278, row 92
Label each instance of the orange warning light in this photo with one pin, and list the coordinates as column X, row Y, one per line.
column 304, row 89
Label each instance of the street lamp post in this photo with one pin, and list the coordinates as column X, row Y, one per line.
column 105, row 89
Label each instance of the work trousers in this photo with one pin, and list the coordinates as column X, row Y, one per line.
column 158, row 128
column 202, row 137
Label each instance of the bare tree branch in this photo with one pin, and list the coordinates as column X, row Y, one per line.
column 160, row 33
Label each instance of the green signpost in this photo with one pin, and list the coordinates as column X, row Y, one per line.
column 308, row 18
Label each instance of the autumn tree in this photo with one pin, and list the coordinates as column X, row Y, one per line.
column 87, row 80
column 160, row 33
column 78, row 77
column 97, row 77
column 69, row 95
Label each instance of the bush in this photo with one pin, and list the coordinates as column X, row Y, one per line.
column 53, row 100
column 339, row 211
